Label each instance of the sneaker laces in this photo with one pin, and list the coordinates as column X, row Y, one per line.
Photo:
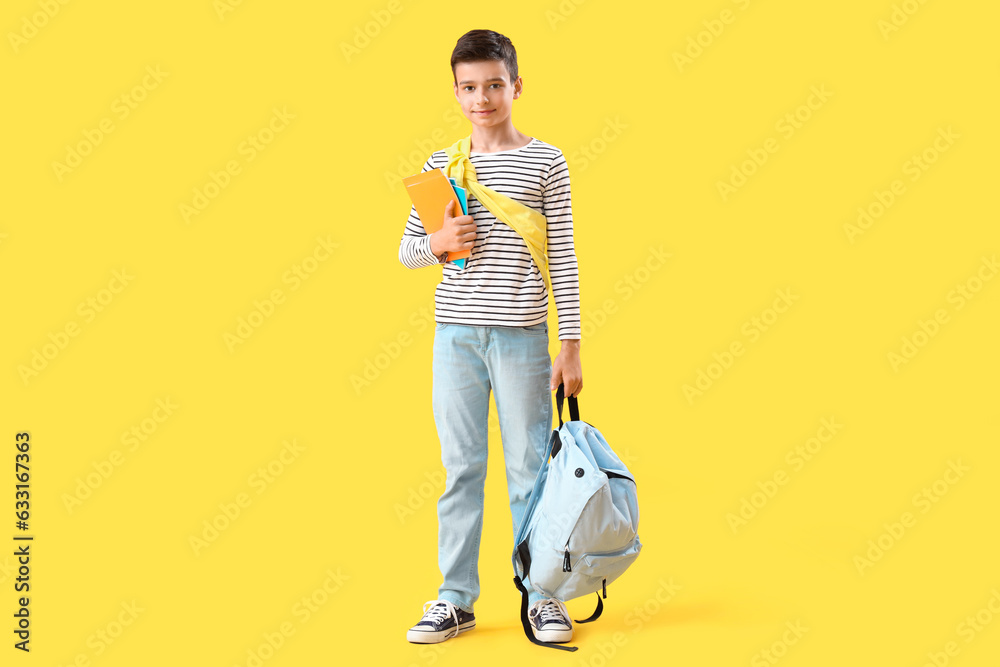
column 439, row 611
column 550, row 609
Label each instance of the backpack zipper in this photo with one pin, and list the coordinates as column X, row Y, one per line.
column 566, row 564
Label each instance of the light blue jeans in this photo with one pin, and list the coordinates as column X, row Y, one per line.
column 469, row 361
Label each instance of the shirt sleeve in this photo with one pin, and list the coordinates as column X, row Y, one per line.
column 563, row 271
column 415, row 246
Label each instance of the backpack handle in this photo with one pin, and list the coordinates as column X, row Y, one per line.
column 574, row 408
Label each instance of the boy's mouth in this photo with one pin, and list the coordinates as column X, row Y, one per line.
column 484, row 113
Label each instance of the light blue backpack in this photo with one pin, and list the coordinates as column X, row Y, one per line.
column 579, row 531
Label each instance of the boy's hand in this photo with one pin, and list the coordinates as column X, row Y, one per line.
column 566, row 369
column 458, row 232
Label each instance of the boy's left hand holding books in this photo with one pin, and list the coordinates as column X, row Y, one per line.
column 566, row 369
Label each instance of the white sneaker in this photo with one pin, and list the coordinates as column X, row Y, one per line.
column 441, row 620
column 550, row 621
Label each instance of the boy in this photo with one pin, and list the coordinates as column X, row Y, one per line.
column 491, row 327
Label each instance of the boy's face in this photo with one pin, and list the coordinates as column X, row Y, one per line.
column 484, row 90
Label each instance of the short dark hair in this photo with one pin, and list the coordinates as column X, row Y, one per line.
column 479, row 45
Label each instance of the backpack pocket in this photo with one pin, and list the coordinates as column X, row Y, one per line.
column 596, row 548
column 605, row 523
column 606, row 566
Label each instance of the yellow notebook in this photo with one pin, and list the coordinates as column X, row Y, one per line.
column 430, row 191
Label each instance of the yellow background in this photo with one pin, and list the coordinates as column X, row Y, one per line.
column 352, row 509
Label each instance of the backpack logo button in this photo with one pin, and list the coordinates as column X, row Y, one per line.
column 579, row 472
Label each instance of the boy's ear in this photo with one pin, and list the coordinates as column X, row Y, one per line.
column 518, row 87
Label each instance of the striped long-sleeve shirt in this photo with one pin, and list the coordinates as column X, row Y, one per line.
column 500, row 284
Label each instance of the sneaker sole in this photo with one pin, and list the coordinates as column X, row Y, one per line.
column 553, row 636
column 425, row 637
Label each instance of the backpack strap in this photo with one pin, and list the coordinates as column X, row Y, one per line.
column 522, row 550
column 600, row 605
column 526, row 624
column 574, row 408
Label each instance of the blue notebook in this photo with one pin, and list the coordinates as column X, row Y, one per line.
column 463, row 198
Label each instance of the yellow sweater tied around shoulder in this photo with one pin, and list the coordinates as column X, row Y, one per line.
column 526, row 221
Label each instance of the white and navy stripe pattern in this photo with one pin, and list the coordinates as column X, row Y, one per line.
column 500, row 284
